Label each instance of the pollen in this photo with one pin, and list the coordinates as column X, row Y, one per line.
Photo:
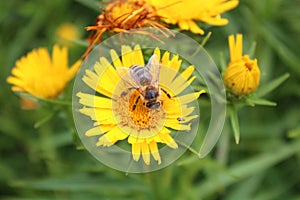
column 134, row 118
column 139, row 113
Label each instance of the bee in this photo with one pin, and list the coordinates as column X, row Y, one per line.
column 180, row 119
column 145, row 81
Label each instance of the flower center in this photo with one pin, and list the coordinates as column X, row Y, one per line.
column 134, row 117
column 128, row 14
column 139, row 113
column 121, row 12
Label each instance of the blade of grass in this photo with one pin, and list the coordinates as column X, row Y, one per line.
column 248, row 167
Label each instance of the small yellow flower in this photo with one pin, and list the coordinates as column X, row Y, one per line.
column 120, row 16
column 65, row 33
column 242, row 74
column 186, row 12
column 119, row 114
column 40, row 75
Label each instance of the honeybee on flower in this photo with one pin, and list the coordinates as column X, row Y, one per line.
column 140, row 103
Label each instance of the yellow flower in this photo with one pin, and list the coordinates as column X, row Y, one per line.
column 242, row 74
column 67, row 32
column 121, row 112
column 120, row 16
column 40, row 75
column 186, row 12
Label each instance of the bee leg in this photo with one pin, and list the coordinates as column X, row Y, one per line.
column 135, row 103
column 132, row 88
column 123, row 94
column 168, row 95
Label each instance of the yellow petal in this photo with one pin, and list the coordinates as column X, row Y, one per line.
column 136, row 151
column 106, row 79
column 145, row 153
column 165, row 59
column 154, row 151
column 175, row 63
column 185, row 99
column 235, row 47
column 176, row 113
column 94, row 131
column 180, row 84
column 176, row 125
column 187, row 72
column 91, row 79
column 115, row 58
column 132, row 57
column 138, row 55
column 94, row 101
column 157, row 52
column 103, row 116
column 183, row 24
column 195, row 28
column 224, row 6
column 215, row 20
column 15, row 81
column 111, row 137
column 166, row 75
column 73, row 69
column 168, row 140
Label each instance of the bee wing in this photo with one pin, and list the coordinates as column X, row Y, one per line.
column 153, row 67
column 124, row 73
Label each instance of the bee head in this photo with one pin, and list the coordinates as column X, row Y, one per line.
column 151, row 93
column 153, row 105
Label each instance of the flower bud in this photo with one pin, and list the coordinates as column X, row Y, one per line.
column 242, row 74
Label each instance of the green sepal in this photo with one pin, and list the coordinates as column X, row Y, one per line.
column 269, row 87
column 252, row 101
column 234, row 123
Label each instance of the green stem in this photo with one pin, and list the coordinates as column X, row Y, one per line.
column 192, row 150
column 57, row 102
column 44, row 120
column 52, row 101
column 204, row 41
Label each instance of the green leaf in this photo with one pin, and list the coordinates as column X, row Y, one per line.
column 268, row 87
column 258, row 101
column 81, row 183
column 235, row 123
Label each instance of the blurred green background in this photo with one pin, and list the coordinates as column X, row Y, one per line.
column 43, row 162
